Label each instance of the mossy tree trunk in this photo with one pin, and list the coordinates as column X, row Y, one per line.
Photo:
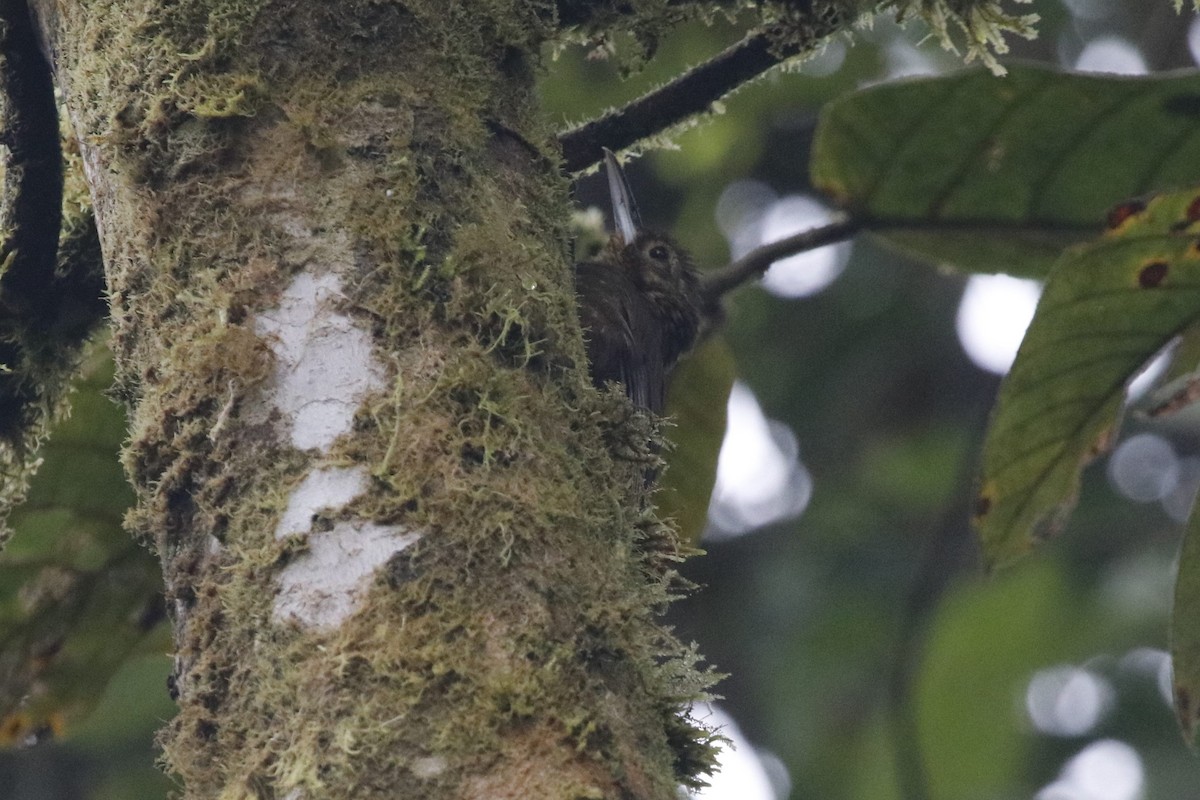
column 401, row 556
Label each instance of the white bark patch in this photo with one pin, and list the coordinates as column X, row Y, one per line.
column 332, row 487
column 324, row 366
column 429, row 767
column 325, row 584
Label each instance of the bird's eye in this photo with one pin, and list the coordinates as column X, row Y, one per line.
column 659, row 252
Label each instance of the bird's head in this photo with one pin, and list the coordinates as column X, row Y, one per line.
column 654, row 261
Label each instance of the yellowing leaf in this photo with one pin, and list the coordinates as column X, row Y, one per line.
column 1107, row 308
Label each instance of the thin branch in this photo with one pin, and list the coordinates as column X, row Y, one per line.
column 758, row 261
column 691, row 93
column 949, row 552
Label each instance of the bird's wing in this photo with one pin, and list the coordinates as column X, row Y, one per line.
column 624, row 339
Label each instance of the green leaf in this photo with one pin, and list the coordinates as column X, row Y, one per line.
column 1000, row 174
column 78, row 597
column 1107, row 308
column 1185, row 633
column 969, row 676
column 696, row 400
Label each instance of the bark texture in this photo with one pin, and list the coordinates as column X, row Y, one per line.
column 442, row 584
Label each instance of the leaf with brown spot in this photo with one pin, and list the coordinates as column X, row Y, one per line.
column 1153, row 274
column 990, row 174
column 1094, row 330
column 1123, row 212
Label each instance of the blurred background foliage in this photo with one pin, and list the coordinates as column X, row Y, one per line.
column 868, row 654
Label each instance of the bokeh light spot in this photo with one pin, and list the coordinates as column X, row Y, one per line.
column 804, row 273
column 993, row 315
column 1104, row 770
column 759, row 475
column 739, row 214
column 1067, row 701
column 1144, row 468
column 1155, row 664
column 749, row 214
column 1193, row 39
column 1111, row 54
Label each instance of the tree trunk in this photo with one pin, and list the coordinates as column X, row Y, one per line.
column 401, row 555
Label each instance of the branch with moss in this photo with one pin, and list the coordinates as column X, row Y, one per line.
column 790, row 30
column 51, row 294
column 673, row 103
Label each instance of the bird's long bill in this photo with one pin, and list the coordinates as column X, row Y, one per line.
column 625, row 213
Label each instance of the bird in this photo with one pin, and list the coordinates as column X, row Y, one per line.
column 640, row 302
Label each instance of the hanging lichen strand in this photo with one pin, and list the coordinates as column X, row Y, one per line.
column 401, row 557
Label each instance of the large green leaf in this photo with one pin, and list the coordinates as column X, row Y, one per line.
column 1000, row 174
column 696, row 401
column 1107, row 308
column 970, row 675
column 78, row 597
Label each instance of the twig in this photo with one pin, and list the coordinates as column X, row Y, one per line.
column 752, row 265
column 949, row 552
column 691, row 93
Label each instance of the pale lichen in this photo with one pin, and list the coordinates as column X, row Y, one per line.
column 324, row 367
column 982, row 23
column 328, row 579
